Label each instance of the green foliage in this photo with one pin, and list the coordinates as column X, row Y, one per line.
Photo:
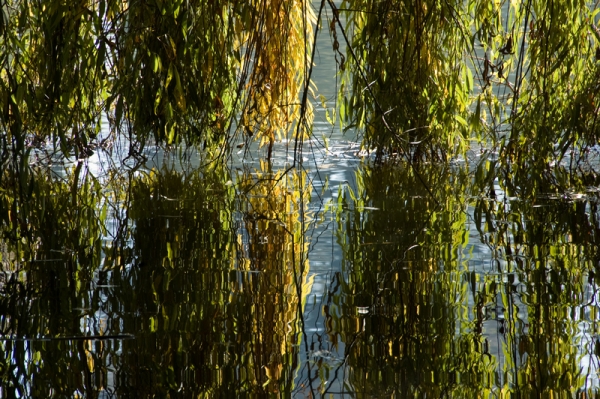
column 279, row 70
column 407, row 83
column 421, row 79
column 173, row 68
column 52, row 78
column 539, row 81
column 175, row 72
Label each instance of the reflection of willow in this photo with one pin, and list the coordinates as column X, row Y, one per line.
column 544, row 250
column 203, row 323
column 404, row 292
column 51, row 250
column 174, row 294
column 275, row 264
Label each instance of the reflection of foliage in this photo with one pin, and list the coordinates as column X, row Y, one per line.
column 209, row 322
column 179, row 280
column 406, row 215
column 275, row 216
column 543, row 249
column 399, row 313
column 413, row 318
column 185, row 213
column 51, row 250
column 64, row 216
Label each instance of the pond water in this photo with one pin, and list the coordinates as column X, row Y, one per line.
column 337, row 279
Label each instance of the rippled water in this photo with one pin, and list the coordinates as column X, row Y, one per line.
column 338, row 279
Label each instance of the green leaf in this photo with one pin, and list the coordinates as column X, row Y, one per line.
column 170, row 73
column 469, row 79
column 179, row 94
column 157, row 101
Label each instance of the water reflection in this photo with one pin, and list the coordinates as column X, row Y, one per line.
column 210, row 291
column 402, row 305
column 166, row 282
column 419, row 313
column 545, row 257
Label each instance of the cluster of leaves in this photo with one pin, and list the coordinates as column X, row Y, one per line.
column 409, row 86
column 52, row 76
column 279, row 70
column 424, row 78
column 419, row 78
column 175, row 72
column 539, row 76
column 556, row 80
column 172, row 68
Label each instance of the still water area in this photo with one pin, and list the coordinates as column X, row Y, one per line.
column 336, row 279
